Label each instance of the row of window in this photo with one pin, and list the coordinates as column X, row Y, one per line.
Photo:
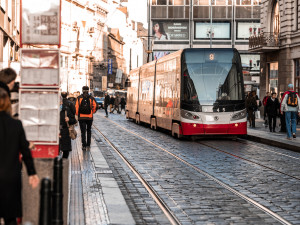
column 179, row 30
column 206, row 2
column 203, row 12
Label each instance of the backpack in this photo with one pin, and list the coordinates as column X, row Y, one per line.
column 265, row 100
column 292, row 99
column 85, row 107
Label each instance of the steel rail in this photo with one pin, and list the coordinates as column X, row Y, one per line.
column 251, row 201
column 248, row 160
column 162, row 205
column 277, row 153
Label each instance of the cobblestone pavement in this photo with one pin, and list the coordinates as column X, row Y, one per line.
column 86, row 197
column 198, row 200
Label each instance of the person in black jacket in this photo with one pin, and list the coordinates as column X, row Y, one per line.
column 122, row 103
column 13, row 142
column 272, row 111
column 65, row 140
column 112, row 103
column 106, row 103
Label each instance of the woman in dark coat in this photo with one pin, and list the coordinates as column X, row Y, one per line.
column 65, row 140
column 272, row 111
column 13, row 142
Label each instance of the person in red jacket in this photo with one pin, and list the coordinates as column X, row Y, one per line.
column 265, row 100
column 85, row 106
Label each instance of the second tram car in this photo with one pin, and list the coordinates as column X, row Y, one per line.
column 190, row 92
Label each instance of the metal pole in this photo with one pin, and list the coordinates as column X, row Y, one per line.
column 130, row 60
column 148, row 52
column 45, row 202
column 211, row 2
column 57, row 195
column 191, row 24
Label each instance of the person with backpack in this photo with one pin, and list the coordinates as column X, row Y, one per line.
column 85, row 106
column 272, row 108
column 290, row 105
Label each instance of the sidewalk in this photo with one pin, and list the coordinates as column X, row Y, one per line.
column 262, row 134
column 95, row 197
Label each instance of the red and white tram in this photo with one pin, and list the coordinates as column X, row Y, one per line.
column 190, row 92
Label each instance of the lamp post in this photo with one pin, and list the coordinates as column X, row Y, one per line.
column 148, row 51
column 211, row 26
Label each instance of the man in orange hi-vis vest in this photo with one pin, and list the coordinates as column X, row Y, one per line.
column 85, row 106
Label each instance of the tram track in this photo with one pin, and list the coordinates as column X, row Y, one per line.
column 227, row 187
column 168, row 213
column 248, row 160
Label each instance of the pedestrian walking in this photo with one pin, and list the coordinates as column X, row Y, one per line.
column 106, row 103
column 290, row 105
column 265, row 99
column 272, row 108
column 116, row 104
column 123, row 104
column 13, row 142
column 111, row 103
column 85, row 106
column 67, row 115
column 282, row 117
column 251, row 106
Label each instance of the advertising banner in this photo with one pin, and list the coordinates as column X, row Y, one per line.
column 219, row 30
column 40, row 22
column 40, row 67
column 164, row 31
column 39, row 113
column 245, row 30
column 109, row 66
column 119, row 76
column 104, row 83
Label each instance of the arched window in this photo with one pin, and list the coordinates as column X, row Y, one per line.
column 275, row 22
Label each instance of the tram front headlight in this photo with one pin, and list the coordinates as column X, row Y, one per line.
column 190, row 116
column 239, row 115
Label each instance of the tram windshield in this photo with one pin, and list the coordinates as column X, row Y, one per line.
column 212, row 77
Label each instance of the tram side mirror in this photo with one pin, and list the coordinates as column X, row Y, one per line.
column 127, row 83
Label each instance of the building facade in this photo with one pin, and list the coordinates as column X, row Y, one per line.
column 83, row 44
column 178, row 24
column 279, row 45
column 9, row 33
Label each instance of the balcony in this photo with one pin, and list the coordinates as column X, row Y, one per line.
column 265, row 42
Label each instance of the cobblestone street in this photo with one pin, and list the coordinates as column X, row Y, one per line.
column 266, row 175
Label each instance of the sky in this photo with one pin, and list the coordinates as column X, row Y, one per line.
column 138, row 11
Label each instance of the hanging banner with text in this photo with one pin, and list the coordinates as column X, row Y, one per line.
column 109, row 66
column 40, row 22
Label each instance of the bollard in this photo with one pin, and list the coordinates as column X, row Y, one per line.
column 57, row 195
column 45, row 202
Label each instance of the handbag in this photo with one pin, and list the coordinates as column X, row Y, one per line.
column 72, row 131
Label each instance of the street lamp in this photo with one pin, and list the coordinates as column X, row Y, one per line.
column 211, row 26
